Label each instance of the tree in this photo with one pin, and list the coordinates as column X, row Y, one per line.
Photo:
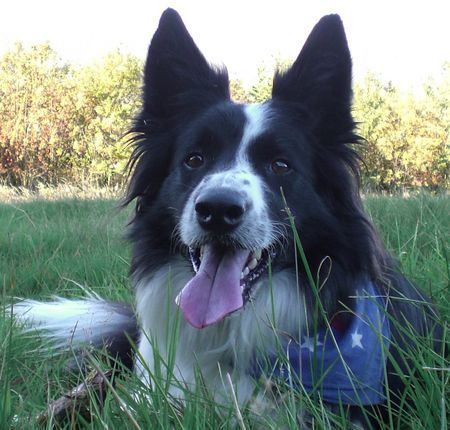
column 108, row 97
column 262, row 89
column 237, row 90
column 407, row 135
column 60, row 123
column 36, row 111
column 64, row 123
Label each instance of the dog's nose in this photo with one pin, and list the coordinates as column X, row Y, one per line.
column 220, row 211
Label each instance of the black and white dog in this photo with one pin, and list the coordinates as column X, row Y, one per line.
column 225, row 193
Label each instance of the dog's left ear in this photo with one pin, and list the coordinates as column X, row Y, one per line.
column 320, row 78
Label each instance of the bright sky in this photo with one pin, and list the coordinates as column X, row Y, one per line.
column 403, row 41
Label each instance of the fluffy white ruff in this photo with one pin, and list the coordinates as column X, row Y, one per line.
column 70, row 322
column 226, row 347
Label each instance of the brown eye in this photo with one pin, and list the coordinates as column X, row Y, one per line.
column 194, row 161
column 280, row 167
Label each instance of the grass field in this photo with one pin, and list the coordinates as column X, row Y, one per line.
column 52, row 247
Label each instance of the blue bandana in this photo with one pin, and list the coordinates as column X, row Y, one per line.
column 345, row 365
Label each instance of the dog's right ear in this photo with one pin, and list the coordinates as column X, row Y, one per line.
column 177, row 75
column 178, row 82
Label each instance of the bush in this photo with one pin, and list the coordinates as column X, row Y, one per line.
column 36, row 116
column 407, row 135
column 60, row 123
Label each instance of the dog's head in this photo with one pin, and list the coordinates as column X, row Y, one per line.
column 216, row 177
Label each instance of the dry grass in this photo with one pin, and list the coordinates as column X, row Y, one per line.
column 83, row 191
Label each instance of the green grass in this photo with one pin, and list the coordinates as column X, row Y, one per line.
column 417, row 232
column 47, row 247
column 51, row 247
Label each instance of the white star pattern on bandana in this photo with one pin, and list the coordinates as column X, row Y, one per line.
column 347, row 367
column 356, row 340
column 311, row 343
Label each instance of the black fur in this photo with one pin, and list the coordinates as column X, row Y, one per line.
column 187, row 108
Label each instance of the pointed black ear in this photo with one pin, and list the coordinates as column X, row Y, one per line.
column 320, row 78
column 176, row 73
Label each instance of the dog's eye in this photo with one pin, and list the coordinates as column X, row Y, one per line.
column 280, row 167
column 194, row 161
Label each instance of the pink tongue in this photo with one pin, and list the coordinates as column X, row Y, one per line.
column 215, row 290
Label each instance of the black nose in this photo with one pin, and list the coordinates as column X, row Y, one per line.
column 220, row 211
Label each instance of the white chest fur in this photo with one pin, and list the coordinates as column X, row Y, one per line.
column 226, row 347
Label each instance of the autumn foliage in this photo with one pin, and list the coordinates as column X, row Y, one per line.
column 65, row 123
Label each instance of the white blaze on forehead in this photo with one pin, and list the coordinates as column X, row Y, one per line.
column 257, row 117
column 241, row 175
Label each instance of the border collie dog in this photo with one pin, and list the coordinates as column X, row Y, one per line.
column 231, row 200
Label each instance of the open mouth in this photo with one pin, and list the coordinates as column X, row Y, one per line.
column 222, row 283
column 255, row 265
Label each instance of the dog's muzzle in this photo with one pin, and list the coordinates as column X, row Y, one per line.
column 227, row 240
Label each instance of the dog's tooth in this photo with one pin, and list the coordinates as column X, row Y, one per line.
column 246, row 271
column 252, row 264
column 178, row 299
column 257, row 254
column 242, row 275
